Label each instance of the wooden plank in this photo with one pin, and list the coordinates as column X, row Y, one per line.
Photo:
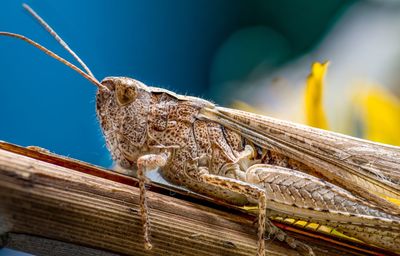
column 44, row 246
column 82, row 205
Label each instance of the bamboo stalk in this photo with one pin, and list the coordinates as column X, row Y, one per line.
column 83, row 206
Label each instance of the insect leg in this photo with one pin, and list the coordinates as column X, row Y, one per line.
column 301, row 247
column 247, row 190
column 147, row 163
column 305, row 197
column 270, row 227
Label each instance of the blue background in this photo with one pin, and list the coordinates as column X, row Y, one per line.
column 171, row 44
column 164, row 43
column 46, row 104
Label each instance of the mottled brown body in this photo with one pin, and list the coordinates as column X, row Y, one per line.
column 156, row 121
column 159, row 122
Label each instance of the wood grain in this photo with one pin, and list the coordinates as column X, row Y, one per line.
column 42, row 201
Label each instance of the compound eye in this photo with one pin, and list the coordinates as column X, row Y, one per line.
column 125, row 95
column 109, row 83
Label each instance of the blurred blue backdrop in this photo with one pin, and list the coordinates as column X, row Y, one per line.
column 185, row 46
column 165, row 43
column 44, row 103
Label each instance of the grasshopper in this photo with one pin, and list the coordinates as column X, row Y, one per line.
column 289, row 169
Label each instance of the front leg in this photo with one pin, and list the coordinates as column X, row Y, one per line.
column 146, row 163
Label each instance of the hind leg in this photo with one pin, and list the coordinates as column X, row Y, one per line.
column 256, row 175
column 249, row 190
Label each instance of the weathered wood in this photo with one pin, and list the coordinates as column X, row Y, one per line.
column 44, row 246
column 99, row 209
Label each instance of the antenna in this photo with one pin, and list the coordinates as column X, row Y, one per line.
column 89, row 75
column 55, row 56
column 57, row 37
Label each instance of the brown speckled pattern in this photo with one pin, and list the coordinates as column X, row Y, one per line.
column 146, row 126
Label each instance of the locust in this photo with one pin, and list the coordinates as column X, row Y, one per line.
column 283, row 168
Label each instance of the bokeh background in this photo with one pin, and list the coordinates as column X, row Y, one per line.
column 253, row 55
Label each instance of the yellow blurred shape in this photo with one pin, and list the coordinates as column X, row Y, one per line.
column 380, row 112
column 250, row 208
column 315, row 227
column 314, row 111
column 392, row 200
column 341, row 235
column 289, row 220
column 325, row 229
column 300, row 223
